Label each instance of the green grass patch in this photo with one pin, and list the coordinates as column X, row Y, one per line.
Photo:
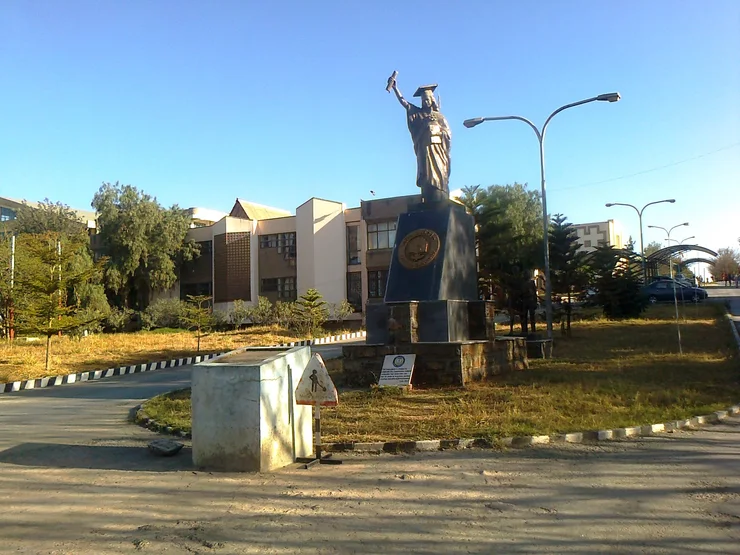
column 606, row 374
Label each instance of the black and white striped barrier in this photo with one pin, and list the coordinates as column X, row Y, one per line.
column 90, row 375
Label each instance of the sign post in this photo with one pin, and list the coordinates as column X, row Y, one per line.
column 397, row 371
column 316, row 388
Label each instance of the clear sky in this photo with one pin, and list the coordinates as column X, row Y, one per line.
column 198, row 103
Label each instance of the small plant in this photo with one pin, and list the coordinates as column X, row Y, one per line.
column 262, row 313
column 285, row 315
column 239, row 313
column 312, row 310
column 197, row 315
column 340, row 311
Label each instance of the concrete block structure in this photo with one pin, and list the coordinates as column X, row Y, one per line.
column 244, row 415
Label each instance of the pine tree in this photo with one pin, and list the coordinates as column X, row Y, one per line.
column 46, row 280
column 313, row 311
column 567, row 265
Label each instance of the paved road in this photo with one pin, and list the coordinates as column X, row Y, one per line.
column 76, row 478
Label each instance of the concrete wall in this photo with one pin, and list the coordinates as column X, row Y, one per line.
column 244, row 414
column 321, row 246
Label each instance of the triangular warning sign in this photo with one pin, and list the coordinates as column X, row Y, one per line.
column 315, row 385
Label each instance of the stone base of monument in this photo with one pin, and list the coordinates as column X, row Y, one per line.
column 429, row 321
column 439, row 363
column 245, row 418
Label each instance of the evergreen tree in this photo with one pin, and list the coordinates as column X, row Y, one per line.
column 46, row 278
column 508, row 238
column 568, row 270
column 312, row 311
column 146, row 243
column 616, row 277
column 60, row 220
column 197, row 315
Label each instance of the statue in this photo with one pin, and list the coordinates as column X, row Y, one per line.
column 431, row 135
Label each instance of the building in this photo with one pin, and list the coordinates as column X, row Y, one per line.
column 258, row 251
column 9, row 207
column 597, row 234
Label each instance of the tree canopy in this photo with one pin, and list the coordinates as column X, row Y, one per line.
column 509, row 239
column 727, row 262
column 146, row 243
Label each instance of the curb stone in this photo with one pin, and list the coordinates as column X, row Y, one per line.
column 90, row 375
column 647, row 430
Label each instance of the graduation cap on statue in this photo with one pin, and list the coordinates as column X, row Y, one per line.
column 423, row 88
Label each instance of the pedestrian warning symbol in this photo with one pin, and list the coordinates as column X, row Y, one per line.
column 315, row 385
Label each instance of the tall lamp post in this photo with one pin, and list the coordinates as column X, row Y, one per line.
column 681, row 242
column 639, row 215
column 609, row 97
column 670, row 271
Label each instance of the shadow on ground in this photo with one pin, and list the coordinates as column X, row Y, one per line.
column 99, row 457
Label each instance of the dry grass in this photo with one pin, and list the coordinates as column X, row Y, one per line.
column 607, row 374
column 22, row 361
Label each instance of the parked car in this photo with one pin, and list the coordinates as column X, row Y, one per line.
column 683, row 280
column 662, row 290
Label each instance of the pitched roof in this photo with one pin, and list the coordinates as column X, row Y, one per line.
column 254, row 211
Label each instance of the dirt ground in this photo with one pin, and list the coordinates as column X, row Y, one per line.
column 673, row 493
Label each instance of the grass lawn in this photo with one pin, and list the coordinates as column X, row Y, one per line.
column 607, row 374
column 22, row 360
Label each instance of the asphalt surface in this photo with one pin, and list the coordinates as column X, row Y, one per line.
column 76, row 477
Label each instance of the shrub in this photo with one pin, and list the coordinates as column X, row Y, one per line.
column 285, row 315
column 119, row 319
column 238, row 313
column 262, row 313
column 340, row 311
column 162, row 313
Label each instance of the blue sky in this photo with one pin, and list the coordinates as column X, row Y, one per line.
column 198, row 103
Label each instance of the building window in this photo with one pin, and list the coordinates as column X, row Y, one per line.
column 381, row 235
column 286, row 244
column 286, row 289
column 376, row 280
column 354, row 290
column 602, row 243
column 268, row 241
column 353, row 245
column 269, row 285
column 6, row 214
column 587, row 244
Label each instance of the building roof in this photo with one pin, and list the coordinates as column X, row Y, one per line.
column 85, row 216
column 254, row 211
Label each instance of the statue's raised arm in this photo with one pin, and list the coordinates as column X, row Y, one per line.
column 394, row 86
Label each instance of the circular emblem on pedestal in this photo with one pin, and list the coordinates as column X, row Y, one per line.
column 418, row 248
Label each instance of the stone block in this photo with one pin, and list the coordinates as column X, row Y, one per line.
column 244, row 416
column 481, row 324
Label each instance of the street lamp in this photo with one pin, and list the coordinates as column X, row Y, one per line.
column 670, row 271
column 608, row 97
column 682, row 240
column 639, row 215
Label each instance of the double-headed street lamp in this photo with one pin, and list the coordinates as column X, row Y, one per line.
column 639, row 215
column 670, row 271
column 609, row 97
